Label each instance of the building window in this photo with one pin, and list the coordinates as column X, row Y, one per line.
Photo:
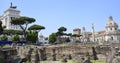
column 111, row 38
column 97, row 39
column 110, row 28
column 115, row 28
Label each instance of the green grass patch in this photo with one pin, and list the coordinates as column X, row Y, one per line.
column 63, row 44
column 69, row 61
column 97, row 61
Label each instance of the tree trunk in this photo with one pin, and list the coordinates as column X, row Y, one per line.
column 24, row 33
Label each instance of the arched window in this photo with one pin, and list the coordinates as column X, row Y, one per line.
column 110, row 28
column 111, row 38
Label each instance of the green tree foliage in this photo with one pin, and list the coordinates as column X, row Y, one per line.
column 13, row 32
column 36, row 27
column 4, row 38
column 67, row 40
column 16, row 38
column 23, row 21
column 69, row 34
column 52, row 38
column 60, row 32
column 1, row 28
column 62, row 29
column 32, row 36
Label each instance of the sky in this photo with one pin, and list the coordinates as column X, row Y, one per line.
column 68, row 13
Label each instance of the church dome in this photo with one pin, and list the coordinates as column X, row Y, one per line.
column 111, row 23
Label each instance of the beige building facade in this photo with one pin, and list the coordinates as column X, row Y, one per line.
column 110, row 34
column 8, row 15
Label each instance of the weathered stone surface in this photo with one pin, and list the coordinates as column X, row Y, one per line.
column 64, row 59
column 56, row 52
column 54, row 55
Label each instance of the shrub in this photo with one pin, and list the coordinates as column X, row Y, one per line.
column 16, row 38
column 4, row 38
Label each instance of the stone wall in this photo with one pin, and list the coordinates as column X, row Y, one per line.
column 56, row 52
column 71, row 49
